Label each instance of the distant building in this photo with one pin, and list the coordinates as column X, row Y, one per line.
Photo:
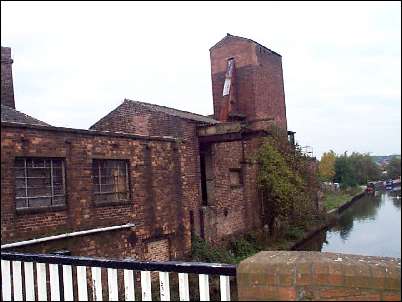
column 145, row 177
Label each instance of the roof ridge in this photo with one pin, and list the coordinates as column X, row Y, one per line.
column 162, row 106
column 248, row 39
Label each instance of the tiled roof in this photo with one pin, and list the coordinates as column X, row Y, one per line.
column 175, row 112
column 9, row 114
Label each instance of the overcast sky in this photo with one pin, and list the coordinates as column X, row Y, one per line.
column 75, row 62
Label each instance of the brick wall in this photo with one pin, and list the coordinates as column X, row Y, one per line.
column 132, row 117
column 318, row 276
column 259, row 79
column 7, row 90
column 233, row 209
column 153, row 177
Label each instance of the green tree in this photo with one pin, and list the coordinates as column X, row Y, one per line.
column 288, row 184
column 344, row 173
column 356, row 169
column 394, row 168
column 326, row 168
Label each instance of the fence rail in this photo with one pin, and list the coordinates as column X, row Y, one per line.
column 59, row 281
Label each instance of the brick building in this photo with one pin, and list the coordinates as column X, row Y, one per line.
column 145, row 177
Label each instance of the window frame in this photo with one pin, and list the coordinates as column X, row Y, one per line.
column 127, row 184
column 51, row 206
column 241, row 182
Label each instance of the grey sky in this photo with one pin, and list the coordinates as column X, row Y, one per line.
column 75, row 62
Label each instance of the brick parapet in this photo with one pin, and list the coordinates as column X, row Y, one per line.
column 280, row 275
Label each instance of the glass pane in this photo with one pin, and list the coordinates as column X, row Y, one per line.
column 58, row 190
column 39, row 202
column 19, row 172
column 19, row 162
column 39, row 182
column 38, row 172
column 59, row 200
column 107, row 188
column 58, row 181
column 42, row 191
column 21, row 203
column 20, row 183
column 20, row 192
column 57, row 163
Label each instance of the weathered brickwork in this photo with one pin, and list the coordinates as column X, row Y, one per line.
column 260, row 89
column 166, row 150
column 7, row 90
column 135, row 118
column 284, row 276
column 153, row 196
column 233, row 209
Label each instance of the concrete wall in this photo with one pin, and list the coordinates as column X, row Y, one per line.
column 280, row 275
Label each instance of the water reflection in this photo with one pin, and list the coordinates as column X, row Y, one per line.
column 371, row 226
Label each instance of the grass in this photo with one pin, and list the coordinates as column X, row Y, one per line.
column 333, row 200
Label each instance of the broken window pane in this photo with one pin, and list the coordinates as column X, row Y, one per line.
column 110, row 180
column 235, row 177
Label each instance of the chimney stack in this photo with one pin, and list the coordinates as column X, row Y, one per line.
column 7, row 88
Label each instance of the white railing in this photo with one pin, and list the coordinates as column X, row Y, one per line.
column 32, row 277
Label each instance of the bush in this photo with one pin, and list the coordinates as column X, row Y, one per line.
column 288, row 182
column 205, row 252
column 294, row 233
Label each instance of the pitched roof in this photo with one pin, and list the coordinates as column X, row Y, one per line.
column 9, row 114
column 229, row 36
column 167, row 110
column 175, row 112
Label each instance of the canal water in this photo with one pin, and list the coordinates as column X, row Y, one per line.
column 371, row 226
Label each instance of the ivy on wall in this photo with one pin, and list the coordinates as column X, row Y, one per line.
column 288, row 184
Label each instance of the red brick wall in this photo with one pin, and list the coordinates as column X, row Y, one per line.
column 131, row 117
column 153, row 177
column 7, row 90
column 269, row 90
column 234, row 209
column 259, row 79
column 291, row 276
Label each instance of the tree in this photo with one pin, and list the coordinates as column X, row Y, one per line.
column 326, row 168
column 288, row 184
column 344, row 173
column 394, row 168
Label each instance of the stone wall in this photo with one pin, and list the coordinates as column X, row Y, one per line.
column 298, row 276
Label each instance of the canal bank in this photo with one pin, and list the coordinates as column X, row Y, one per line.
column 366, row 225
column 331, row 217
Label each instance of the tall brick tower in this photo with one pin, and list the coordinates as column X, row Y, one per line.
column 247, row 82
column 7, row 89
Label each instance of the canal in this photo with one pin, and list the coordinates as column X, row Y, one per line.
column 371, row 226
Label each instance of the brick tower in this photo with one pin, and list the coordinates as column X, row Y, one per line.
column 247, row 82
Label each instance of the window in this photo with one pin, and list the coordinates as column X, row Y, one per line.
column 110, row 180
column 39, row 182
column 235, row 178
